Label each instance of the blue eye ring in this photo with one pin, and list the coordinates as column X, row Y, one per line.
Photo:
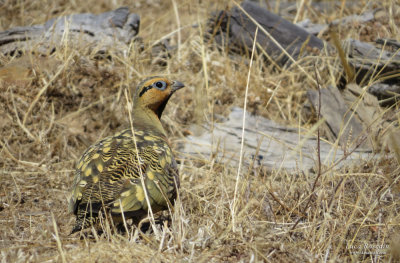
column 161, row 85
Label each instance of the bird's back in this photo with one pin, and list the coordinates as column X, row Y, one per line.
column 108, row 175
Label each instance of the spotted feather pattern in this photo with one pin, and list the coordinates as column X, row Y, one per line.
column 108, row 176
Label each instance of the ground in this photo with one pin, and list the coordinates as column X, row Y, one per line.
column 52, row 108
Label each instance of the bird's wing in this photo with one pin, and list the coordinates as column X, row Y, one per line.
column 160, row 178
column 100, row 171
column 109, row 173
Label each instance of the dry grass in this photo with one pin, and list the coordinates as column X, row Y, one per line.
column 52, row 108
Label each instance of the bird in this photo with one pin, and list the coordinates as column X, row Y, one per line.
column 125, row 173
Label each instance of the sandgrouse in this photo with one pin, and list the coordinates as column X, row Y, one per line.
column 108, row 175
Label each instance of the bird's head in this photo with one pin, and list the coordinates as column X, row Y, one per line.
column 154, row 92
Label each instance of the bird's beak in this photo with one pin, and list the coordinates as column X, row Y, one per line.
column 177, row 85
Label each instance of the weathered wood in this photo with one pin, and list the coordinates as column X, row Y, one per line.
column 388, row 42
column 353, row 116
column 335, row 111
column 312, row 28
column 270, row 144
column 371, row 63
column 236, row 29
column 364, row 55
column 316, row 29
column 106, row 30
column 368, row 60
column 388, row 94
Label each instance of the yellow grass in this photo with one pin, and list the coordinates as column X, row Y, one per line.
column 53, row 108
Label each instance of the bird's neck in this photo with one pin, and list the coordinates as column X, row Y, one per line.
column 147, row 119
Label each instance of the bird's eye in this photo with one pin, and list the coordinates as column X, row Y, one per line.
column 161, row 85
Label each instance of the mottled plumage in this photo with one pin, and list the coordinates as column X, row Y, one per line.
column 108, row 173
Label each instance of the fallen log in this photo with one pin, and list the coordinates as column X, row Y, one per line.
column 372, row 64
column 235, row 29
column 266, row 143
column 340, row 120
column 107, row 30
